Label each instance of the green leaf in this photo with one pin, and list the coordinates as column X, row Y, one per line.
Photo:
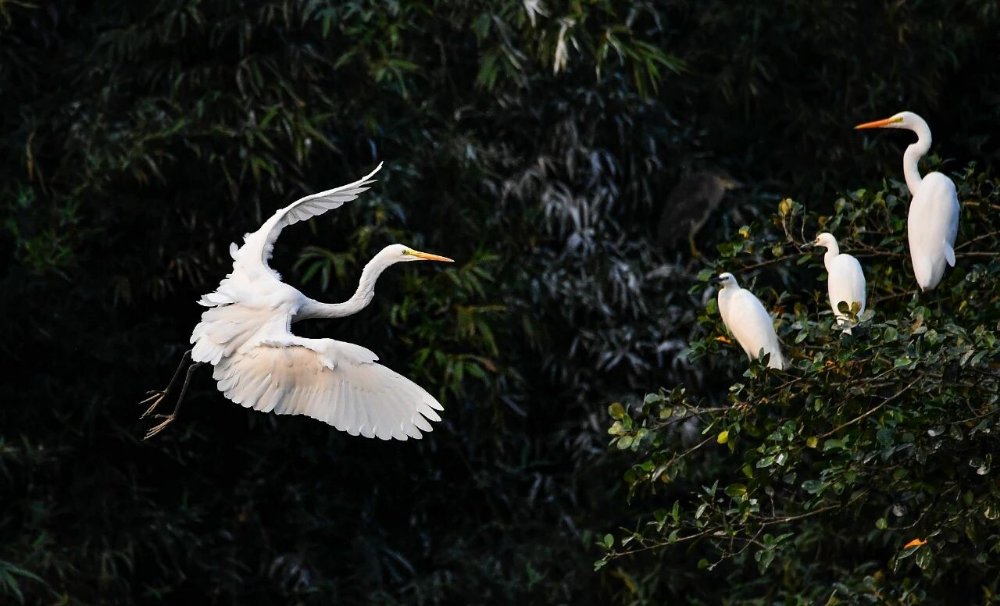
column 736, row 490
column 813, row 486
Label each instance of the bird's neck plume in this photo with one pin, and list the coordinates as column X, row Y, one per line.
column 358, row 301
column 913, row 154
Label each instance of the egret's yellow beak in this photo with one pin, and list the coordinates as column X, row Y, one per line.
column 428, row 256
column 878, row 123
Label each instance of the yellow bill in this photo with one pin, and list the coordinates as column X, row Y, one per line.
column 429, row 257
column 879, row 123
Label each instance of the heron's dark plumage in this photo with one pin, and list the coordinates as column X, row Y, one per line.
column 690, row 203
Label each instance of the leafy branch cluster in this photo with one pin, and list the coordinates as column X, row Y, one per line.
column 870, row 439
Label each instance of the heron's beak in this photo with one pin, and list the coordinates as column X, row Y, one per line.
column 810, row 245
column 879, row 123
column 429, row 257
column 729, row 183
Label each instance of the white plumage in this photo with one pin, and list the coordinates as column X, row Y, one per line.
column 846, row 279
column 932, row 226
column 335, row 382
column 748, row 321
column 932, row 223
column 259, row 364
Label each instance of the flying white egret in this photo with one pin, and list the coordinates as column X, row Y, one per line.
column 745, row 317
column 933, row 219
column 245, row 334
column 845, row 281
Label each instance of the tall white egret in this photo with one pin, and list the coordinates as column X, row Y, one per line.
column 845, row 278
column 932, row 223
column 745, row 317
column 245, row 334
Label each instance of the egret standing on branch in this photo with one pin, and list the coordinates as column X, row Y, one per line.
column 745, row 317
column 245, row 334
column 933, row 220
column 845, row 279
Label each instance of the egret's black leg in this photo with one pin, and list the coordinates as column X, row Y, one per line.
column 157, row 396
column 167, row 419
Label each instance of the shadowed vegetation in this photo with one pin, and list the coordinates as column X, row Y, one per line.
column 535, row 143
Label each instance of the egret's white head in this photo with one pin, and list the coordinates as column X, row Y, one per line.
column 397, row 253
column 725, row 279
column 907, row 120
column 826, row 240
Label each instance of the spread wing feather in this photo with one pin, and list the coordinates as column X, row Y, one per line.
column 338, row 383
column 250, row 260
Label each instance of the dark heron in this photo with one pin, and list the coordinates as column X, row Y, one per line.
column 689, row 206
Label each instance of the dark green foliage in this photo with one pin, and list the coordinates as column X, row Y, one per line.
column 810, row 484
column 138, row 139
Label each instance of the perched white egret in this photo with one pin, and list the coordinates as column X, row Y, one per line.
column 932, row 223
column 245, row 334
column 845, row 281
column 745, row 317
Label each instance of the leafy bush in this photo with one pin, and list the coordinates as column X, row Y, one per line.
column 863, row 472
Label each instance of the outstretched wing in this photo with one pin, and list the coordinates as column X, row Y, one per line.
column 261, row 243
column 250, row 260
column 335, row 382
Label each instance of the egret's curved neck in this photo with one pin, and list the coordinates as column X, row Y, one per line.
column 914, row 153
column 358, row 301
column 832, row 250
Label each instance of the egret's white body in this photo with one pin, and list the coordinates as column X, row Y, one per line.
column 246, row 335
column 932, row 223
column 748, row 321
column 846, row 279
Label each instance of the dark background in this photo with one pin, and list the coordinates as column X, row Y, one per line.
column 139, row 139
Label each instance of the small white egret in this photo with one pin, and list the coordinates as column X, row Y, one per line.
column 932, row 224
column 245, row 334
column 845, row 281
column 745, row 317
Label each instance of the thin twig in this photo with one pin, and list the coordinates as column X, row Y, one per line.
column 976, row 239
column 870, row 412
